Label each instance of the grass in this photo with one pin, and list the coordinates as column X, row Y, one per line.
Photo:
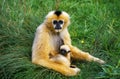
column 95, row 28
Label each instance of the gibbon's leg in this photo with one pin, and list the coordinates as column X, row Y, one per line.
column 77, row 53
column 57, row 63
column 63, row 69
column 60, row 59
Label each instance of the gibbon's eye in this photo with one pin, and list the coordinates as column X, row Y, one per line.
column 60, row 21
column 54, row 21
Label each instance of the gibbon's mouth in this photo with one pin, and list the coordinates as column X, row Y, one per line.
column 58, row 30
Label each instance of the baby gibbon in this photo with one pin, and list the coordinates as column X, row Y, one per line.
column 52, row 46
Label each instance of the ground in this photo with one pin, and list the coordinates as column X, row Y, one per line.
column 95, row 28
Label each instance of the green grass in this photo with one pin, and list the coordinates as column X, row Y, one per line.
column 95, row 28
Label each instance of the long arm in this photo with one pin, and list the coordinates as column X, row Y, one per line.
column 40, row 45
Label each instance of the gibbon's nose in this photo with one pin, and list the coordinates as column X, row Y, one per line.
column 58, row 26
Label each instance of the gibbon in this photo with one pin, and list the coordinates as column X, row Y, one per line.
column 52, row 46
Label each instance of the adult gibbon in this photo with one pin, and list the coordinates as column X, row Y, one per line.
column 52, row 46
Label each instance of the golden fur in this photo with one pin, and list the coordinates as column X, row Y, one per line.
column 44, row 50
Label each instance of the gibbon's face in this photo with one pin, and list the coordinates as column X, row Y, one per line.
column 57, row 20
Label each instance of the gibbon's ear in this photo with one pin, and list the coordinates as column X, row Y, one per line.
column 51, row 13
column 66, row 14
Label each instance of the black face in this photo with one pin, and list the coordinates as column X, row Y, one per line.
column 58, row 24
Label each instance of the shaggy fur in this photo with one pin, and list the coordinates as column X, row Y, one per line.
column 48, row 42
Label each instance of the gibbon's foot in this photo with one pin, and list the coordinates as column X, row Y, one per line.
column 77, row 70
column 95, row 59
column 64, row 50
column 99, row 61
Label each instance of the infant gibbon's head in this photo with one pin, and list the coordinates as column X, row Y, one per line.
column 64, row 50
column 57, row 20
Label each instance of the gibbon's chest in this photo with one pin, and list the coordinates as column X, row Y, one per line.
column 56, row 42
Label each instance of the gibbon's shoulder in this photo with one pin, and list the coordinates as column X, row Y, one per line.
column 40, row 27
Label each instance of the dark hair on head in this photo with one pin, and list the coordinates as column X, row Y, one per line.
column 58, row 12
